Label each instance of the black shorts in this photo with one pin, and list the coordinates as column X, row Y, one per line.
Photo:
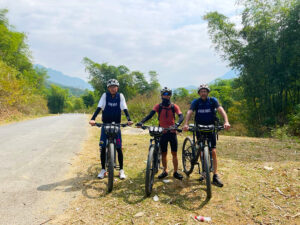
column 212, row 137
column 168, row 137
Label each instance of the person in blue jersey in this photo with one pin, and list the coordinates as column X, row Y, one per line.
column 205, row 114
column 111, row 103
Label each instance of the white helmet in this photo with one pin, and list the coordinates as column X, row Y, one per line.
column 203, row 86
column 112, row 82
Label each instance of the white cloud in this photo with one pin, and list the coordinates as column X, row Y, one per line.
column 168, row 36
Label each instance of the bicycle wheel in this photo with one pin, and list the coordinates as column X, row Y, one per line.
column 206, row 167
column 150, row 171
column 110, row 158
column 187, row 156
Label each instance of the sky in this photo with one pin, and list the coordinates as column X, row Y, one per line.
column 167, row 36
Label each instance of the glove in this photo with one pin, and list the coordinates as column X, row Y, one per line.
column 139, row 124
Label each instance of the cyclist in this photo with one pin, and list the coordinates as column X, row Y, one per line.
column 111, row 103
column 166, row 117
column 205, row 108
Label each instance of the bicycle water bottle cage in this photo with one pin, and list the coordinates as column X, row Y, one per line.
column 111, row 130
column 155, row 131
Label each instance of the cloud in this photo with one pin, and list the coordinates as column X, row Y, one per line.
column 168, row 36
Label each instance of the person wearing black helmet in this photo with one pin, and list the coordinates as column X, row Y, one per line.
column 112, row 103
column 166, row 115
column 205, row 108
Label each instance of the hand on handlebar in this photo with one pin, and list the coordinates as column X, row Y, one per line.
column 226, row 126
column 139, row 125
column 185, row 127
column 129, row 123
column 92, row 122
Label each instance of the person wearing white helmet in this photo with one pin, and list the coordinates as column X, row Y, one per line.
column 205, row 113
column 111, row 103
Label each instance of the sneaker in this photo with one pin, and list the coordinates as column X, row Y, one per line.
column 122, row 174
column 102, row 174
column 217, row 181
column 177, row 176
column 163, row 175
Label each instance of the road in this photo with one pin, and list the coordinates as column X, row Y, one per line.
column 33, row 154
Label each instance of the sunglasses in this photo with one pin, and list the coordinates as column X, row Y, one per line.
column 166, row 94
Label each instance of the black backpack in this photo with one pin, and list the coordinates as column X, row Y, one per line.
column 166, row 108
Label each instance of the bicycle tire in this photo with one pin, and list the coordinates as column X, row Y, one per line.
column 206, row 168
column 150, row 172
column 187, row 156
column 110, row 168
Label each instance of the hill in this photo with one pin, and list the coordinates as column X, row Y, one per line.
column 58, row 77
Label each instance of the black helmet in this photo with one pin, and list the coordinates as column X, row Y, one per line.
column 112, row 82
column 203, row 86
column 166, row 90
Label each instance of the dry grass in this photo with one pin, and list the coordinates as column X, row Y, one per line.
column 251, row 194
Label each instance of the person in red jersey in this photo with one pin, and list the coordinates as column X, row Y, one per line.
column 166, row 115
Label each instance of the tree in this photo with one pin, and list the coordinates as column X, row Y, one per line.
column 265, row 51
column 88, row 99
column 57, row 98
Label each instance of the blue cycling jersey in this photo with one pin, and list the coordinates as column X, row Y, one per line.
column 112, row 110
column 205, row 111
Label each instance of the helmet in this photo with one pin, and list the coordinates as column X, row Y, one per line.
column 203, row 86
column 112, row 82
column 166, row 90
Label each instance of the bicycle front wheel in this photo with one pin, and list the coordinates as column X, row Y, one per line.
column 187, row 156
column 206, row 167
column 110, row 158
column 150, row 171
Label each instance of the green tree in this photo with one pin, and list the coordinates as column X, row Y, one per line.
column 88, row 99
column 57, row 98
column 265, row 51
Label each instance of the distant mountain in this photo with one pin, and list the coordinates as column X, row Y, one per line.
column 230, row 75
column 65, row 80
column 77, row 92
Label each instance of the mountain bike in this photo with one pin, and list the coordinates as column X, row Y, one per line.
column 154, row 154
column 192, row 150
column 111, row 130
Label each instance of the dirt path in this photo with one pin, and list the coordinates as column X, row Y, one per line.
column 34, row 154
column 261, row 178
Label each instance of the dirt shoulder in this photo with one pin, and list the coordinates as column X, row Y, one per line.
column 261, row 178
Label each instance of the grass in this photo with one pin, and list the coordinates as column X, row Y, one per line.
column 17, row 117
column 252, row 194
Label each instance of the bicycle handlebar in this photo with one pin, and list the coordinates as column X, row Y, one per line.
column 109, row 124
column 201, row 127
column 161, row 128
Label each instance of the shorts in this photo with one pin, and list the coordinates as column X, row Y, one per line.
column 165, row 139
column 103, row 139
column 212, row 137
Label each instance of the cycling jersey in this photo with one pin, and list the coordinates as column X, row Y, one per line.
column 205, row 110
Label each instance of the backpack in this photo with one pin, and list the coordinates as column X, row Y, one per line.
column 161, row 107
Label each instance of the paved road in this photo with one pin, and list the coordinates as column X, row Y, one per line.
column 32, row 154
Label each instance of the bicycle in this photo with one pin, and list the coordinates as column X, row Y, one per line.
column 192, row 150
column 111, row 130
column 154, row 155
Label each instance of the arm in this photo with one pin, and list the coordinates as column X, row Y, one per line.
column 188, row 117
column 123, row 106
column 224, row 115
column 128, row 117
column 92, row 121
column 180, row 120
column 148, row 117
column 101, row 105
